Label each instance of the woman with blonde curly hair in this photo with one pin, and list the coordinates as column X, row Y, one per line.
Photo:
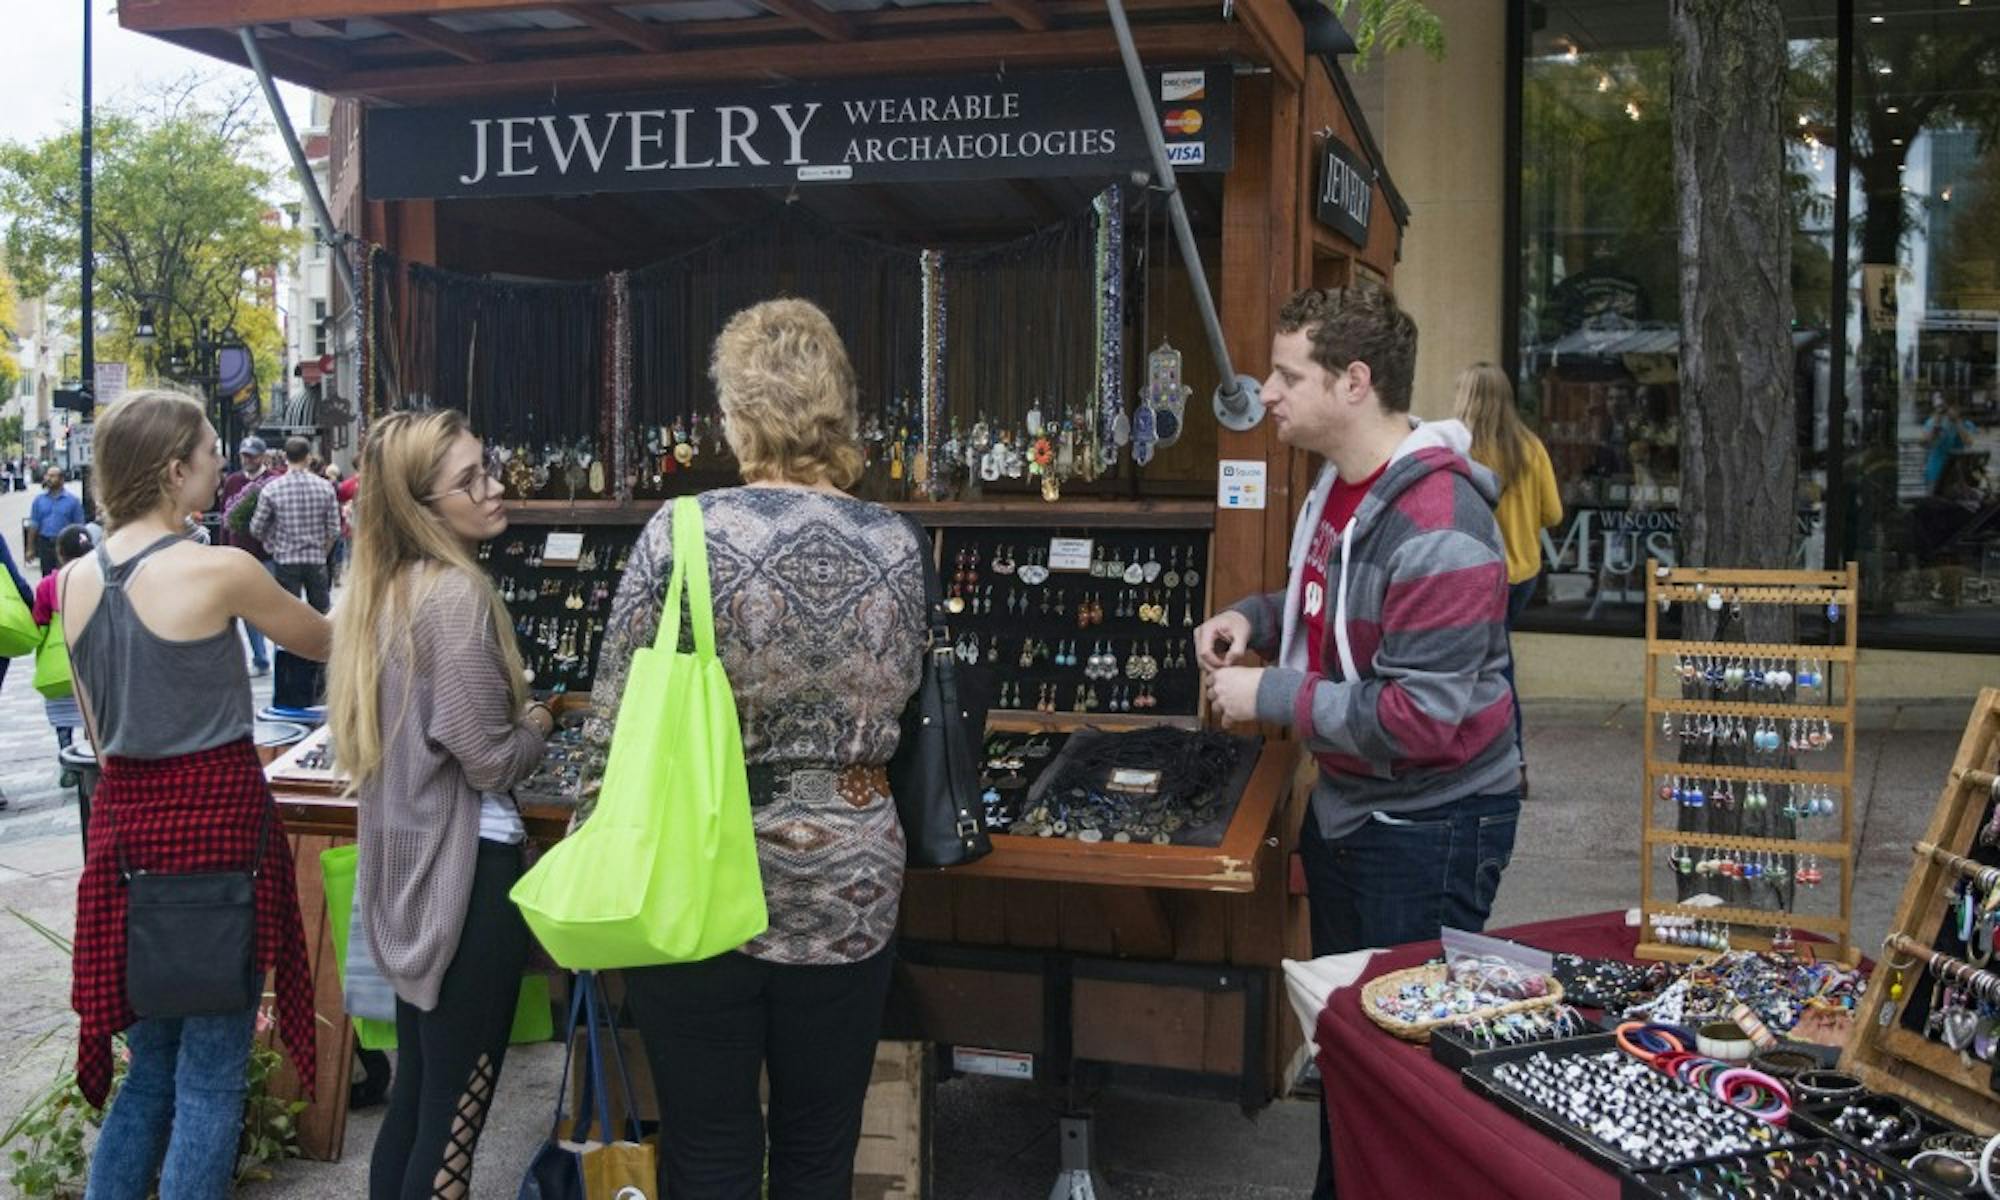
column 819, row 622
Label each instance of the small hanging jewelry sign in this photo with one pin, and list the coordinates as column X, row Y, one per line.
column 562, row 549
column 1070, row 554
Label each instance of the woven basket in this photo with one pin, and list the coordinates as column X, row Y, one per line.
column 1420, row 1031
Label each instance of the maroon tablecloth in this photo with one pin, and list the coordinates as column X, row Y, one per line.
column 1403, row 1126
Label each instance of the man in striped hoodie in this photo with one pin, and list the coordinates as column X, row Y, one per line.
column 1388, row 643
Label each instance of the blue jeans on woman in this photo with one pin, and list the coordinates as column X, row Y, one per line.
column 179, row 1112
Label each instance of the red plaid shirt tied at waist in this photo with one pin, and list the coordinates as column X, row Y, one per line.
column 191, row 813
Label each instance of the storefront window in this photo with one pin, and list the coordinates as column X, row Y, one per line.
column 1599, row 316
column 1923, row 514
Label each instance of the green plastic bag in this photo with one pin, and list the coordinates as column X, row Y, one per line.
column 18, row 632
column 665, row 870
column 532, row 1019
column 52, row 678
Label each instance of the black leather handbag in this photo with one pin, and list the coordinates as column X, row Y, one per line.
column 191, row 939
column 935, row 773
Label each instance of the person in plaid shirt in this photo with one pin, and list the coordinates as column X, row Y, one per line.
column 298, row 521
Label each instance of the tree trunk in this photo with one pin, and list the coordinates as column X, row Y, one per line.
column 1739, row 439
column 1739, row 448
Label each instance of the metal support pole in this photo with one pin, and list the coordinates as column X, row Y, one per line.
column 1237, row 402
column 328, row 233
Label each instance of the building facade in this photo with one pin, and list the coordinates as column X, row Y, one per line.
column 1536, row 159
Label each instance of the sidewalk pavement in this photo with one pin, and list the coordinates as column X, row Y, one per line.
column 1577, row 852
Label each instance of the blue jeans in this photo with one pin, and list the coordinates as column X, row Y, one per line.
column 182, row 1100
column 1401, row 879
column 260, row 655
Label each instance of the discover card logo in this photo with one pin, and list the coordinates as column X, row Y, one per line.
column 1186, row 154
column 1183, row 85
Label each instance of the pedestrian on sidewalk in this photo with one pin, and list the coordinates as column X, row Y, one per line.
column 149, row 618
column 820, row 690
column 55, row 510
column 429, row 706
column 63, row 715
column 298, row 521
column 252, row 476
column 1387, row 645
column 1529, row 500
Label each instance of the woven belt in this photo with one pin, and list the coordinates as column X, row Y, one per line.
column 855, row 785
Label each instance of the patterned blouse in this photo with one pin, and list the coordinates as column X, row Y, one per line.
column 819, row 622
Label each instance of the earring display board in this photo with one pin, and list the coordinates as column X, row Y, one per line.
column 1080, row 621
column 557, row 583
column 1772, row 821
column 1925, row 1028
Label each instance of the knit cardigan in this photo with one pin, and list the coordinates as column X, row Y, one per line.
column 449, row 731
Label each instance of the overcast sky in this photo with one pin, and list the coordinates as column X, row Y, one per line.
column 42, row 80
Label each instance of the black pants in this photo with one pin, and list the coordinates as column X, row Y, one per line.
column 448, row 1059
column 306, row 580
column 710, row 1026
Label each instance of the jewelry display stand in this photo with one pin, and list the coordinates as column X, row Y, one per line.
column 1884, row 1054
column 1833, row 591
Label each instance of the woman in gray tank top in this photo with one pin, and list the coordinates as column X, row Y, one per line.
column 150, row 620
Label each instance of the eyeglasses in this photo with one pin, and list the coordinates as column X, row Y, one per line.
column 483, row 484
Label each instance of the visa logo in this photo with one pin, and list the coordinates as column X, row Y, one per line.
column 1185, row 154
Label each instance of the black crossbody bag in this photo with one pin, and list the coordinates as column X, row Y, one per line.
column 191, row 939
column 934, row 775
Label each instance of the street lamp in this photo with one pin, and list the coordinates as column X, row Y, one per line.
column 146, row 334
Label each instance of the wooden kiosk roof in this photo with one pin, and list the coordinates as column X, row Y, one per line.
column 411, row 51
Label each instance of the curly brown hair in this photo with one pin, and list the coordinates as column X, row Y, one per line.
column 1358, row 323
column 787, row 394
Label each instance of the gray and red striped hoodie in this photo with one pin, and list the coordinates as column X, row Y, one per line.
column 1404, row 705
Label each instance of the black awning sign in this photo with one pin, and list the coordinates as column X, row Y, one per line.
column 1346, row 191
column 1017, row 125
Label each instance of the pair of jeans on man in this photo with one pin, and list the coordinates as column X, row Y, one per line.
column 313, row 581
column 1400, row 879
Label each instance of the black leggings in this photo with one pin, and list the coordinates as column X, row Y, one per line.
column 710, row 1026
column 448, row 1059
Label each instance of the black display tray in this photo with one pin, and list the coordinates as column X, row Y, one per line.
column 1818, row 1119
column 1454, row 1050
column 1654, row 1183
column 1480, row 1079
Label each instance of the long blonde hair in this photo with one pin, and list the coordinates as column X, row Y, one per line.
column 401, row 550
column 1499, row 439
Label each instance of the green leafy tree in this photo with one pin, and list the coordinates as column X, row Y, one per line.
column 182, row 212
column 1386, row 26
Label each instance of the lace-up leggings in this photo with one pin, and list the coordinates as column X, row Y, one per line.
column 448, row 1059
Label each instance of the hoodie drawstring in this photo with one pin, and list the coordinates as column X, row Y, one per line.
column 1347, row 669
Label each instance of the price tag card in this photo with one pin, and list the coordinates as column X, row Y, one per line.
column 1070, row 554
column 562, row 549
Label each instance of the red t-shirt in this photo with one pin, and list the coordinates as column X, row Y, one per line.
column 1315, row 598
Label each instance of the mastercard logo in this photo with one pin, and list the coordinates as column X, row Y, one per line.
column 1183, row 121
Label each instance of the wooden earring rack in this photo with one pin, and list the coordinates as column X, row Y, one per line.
column 1813, row 589
column 1894, row 1059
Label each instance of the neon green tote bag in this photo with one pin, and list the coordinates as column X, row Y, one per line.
column 18, row 632
column 665, row 870
column 52, row 678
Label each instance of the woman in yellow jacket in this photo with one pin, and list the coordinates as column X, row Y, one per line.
column 1529, row 502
